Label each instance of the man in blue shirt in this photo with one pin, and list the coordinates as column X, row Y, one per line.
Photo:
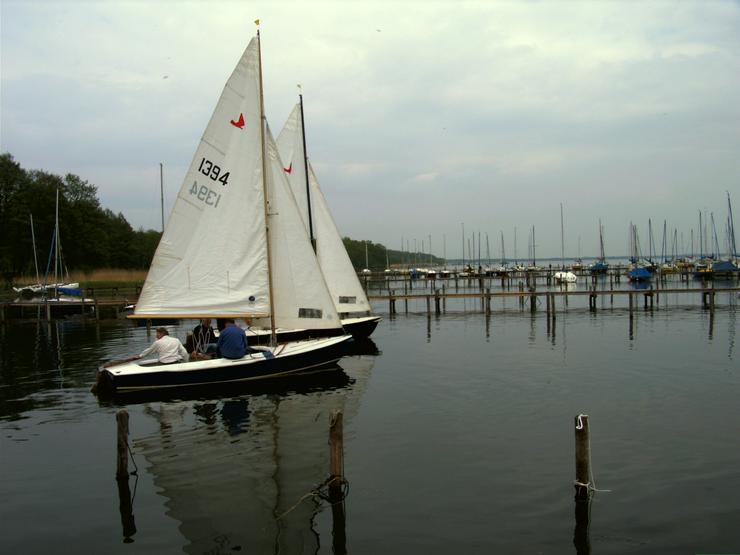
column 232, row 342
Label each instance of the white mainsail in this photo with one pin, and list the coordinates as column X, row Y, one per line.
column 301, row 300
column 212, row 258
column 346, row 292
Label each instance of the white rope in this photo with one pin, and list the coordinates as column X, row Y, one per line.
column 591, row 485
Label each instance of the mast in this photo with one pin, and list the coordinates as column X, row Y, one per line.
column 733, row 246
column 562, row 238
column 263, row 124
column 444, row 251
column 463, row 244
column 601, row 240
column 56, row 245
column 305, row 168
column 35, row 259
column 161, row 192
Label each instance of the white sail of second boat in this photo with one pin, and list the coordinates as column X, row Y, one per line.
column 341, row 278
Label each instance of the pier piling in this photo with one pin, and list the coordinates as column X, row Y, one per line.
column 336, row 470
column 583, row 457
column 122, row 450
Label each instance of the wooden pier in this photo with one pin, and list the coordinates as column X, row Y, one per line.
column 532, row 297
column 100, row 302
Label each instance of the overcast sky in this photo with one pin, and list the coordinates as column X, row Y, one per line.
column 421, row 116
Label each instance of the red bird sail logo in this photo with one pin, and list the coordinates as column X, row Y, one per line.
column 289, row 169
column 239, row 123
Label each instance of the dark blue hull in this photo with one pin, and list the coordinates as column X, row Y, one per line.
column 219, row 371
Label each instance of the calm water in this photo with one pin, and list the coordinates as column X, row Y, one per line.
column 458, row 438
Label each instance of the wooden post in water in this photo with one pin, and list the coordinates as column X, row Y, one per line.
column 429, row 305
column 122, row 458
column 583, row 457
column 336, row 471
column 336, row 442
column 436, row 302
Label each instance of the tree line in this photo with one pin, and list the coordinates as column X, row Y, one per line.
column 378, row 257
column 91, row 236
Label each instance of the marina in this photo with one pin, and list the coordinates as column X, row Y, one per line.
column 210, row 342
column 458, row 402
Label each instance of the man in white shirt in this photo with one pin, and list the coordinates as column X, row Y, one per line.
column 167, row 349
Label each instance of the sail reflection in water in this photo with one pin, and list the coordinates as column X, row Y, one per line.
column 236, row 471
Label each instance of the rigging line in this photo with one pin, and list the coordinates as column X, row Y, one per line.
column 317, row 492
column 131, row 454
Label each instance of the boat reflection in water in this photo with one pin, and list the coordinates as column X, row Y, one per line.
column 238, row 472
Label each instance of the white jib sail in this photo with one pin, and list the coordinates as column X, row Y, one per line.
column 212, row 258
column 301, row 298
column 341, row 278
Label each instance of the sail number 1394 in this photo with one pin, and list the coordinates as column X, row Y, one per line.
column 213, row 171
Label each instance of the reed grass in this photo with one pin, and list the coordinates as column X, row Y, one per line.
column 97, row 278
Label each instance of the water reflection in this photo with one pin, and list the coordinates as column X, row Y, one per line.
column 241, row 473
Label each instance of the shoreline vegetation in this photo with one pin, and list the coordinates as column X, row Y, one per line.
column 99, row 248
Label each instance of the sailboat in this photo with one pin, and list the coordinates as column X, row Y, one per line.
column 637, row 271
column 347, row 293
column 58, row 290
column 234, row 247
column 600, row 266
column 563, row 276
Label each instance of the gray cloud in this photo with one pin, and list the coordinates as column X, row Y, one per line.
column 488, row 113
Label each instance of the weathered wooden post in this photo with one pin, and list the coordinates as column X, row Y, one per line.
column 122, row 465
column 429, row 305
column 336, row 471
column 437, row 309
column 583, row 458
column 336, row 453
